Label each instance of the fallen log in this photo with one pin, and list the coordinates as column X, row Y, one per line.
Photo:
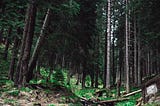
column 132, row 93
column 139, row 104
column 139, row 101
column 114, row 100
column 104, row 102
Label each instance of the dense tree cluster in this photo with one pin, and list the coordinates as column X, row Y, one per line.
column 112, row 41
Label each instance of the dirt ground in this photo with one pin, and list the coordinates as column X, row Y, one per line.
column 38, row 97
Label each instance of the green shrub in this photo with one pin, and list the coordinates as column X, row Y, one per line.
column 58, row 76
column 51, row 105
column 26, row 89
column 13, row 92
column 88, row 81
column 44, row 72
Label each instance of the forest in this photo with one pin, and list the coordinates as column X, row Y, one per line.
column 79, row 53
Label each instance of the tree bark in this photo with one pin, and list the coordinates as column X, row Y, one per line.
column 139, row 73
column 148, row 63
column 135, row 52
column 126, row 53
column 1, row 35
column 108, row 47
column 7, row 42
column 13, row 60
column 25, row 31
column 139, row 77
column 38, row 46
column 28, row 44
column 97, row 76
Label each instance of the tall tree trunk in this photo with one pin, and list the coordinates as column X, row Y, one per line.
column 1, row 35
column 37, row 69
column 84, row 74
column 38, row 46
column 113, row 43
column 25, row 31
column 139, row 65
column 13, row 60
column 28, row 44
column 118, row 73
column 148, row 63
column 151, row 62
column 7, row 42
column 108, row 47
column 97, row 75
column 157, row 60
column 113, row 53
column 139, row 73
column 51, row 66
column 83, row 79
column 135, row 51
column 126, row 53
column 97, row 66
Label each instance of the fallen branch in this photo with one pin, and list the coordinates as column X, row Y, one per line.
column 139, row 101
column 132, row 93
column 114, row 100
column 104, row 102
column 85, row 101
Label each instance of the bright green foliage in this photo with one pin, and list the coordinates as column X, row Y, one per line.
column 13, row 92
column 58, row 76
column 44, row 72
column 9, row 84
column 128, row 103
column 25, row 89
column 88, row 81
column 51, row 105
column 87, row 93
column 41, row 81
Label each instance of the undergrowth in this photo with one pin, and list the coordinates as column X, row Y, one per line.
column 58, row 80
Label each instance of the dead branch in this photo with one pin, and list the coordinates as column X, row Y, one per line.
column 132, row 93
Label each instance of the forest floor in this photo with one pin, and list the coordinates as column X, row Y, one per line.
column 48, row 94
column 34, row 94
column 10, row 96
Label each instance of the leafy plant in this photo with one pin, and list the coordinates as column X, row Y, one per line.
column 26, row 89
column 13, row 92
column 126, row 103
column 44, row 72
column 51, row 105
column 58, row 76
